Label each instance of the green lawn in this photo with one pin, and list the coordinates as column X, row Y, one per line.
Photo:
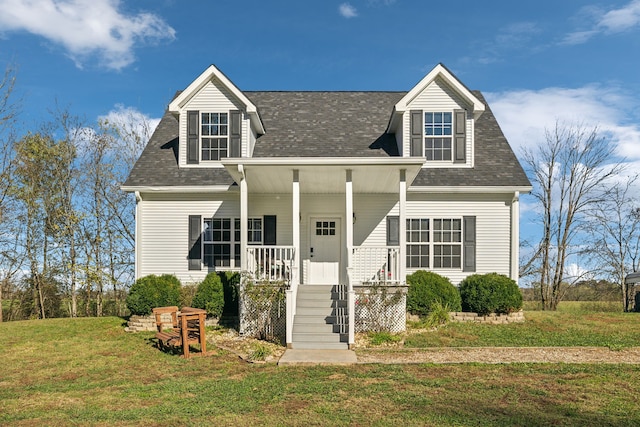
column 90, row 372
column 566, row 327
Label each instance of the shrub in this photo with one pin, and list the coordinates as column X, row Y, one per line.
column 153, row 291
column 209, row 295
column 490, row 293
column 426, row 289
column 230, row 285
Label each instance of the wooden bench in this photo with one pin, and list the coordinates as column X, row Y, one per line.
column 186, row 328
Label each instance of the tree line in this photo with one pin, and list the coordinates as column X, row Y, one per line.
column 66, row 228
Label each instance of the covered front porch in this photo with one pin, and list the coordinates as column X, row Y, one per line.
column 344, row 226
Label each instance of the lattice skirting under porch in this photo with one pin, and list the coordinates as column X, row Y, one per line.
column 265, row 322
column 380, row 308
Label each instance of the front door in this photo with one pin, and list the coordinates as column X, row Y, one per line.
column 324, row 251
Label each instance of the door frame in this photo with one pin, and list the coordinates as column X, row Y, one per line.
column 311, row 230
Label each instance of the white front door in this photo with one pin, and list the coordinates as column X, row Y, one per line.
column 324, row 251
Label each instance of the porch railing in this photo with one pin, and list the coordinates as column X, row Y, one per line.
column 376, row 264
column 271, row 263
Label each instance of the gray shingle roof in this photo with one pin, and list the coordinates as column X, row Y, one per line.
column 329, row 124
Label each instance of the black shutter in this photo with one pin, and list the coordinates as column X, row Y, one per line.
column 235, row 134
column 393, row 231
column 193, row 137
column 460, row 136
column 417, row 133
column 469, row 243
column 195, row 242
column 269, row 230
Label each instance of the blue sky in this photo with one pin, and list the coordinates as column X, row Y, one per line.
column 536, row 62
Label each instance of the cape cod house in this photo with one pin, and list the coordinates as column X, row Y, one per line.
column 348, row 190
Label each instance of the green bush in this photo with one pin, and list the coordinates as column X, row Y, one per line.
column 426, row 289
column 490, row 293
column 210, row 295
column 230, row 285
column 153, row 291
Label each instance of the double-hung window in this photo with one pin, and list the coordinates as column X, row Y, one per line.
column 214, row 136
column 418, row 243
column 217, row 242
column 255, row 231
column 435, row 243
column 438, row 127
column 447, row 243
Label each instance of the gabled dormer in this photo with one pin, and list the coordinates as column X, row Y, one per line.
column 436, row 120
column 216, row 121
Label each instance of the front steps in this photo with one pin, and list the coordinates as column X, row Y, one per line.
column 320, row 312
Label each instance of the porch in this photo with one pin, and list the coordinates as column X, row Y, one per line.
column 318, row 199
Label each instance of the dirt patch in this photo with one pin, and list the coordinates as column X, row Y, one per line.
column 245, row 347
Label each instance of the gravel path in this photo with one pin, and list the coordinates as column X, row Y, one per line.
column 501, row 355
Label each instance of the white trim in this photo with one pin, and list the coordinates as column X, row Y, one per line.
column 324, row 161
column 515, row 236
column 468, row 189
column 179, row 102
column 440, row 71
column 177, row 189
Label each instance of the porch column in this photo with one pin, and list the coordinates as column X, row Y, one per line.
column 402, row 226
column 244, row 218
column 515, row 236
column 292, row 292
column 295, row 212
column 351, row 296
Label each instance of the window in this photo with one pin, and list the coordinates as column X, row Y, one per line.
column 447, row 243
column 217, row 242
column 214, row 132
column 255, row 231
column 442, row 243
column 417, row 243
column 438, row 130
column 325, row 228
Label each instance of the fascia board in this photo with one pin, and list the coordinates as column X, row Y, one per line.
column 441, row 70
column 176, row 189
column 176, row 105
column 470, row 189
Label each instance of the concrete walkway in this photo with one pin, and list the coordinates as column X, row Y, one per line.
column 318, row 357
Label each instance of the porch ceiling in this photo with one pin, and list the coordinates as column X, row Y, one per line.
column 323, row 175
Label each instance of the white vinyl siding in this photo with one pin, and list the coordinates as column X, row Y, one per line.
column 438, row 97
column 493, row 223
column 212, row 98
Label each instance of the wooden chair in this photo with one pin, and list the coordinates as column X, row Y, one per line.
column 186, row 328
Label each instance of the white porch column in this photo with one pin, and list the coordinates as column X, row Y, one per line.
column 402, row 226
column 244, row 218
column 515, row 236
column 292, row 292
column 351, row 296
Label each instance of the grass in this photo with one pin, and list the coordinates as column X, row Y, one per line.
column 90, row 372
column 569, row 326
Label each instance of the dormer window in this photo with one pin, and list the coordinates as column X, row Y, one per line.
column 437, row 131
column 439, row 136
column 214, row 134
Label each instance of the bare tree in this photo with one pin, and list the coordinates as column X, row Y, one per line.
column 614, row 231
column 568, row 170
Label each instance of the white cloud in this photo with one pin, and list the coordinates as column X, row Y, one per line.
column 86, row 27
column 131, row 120
column 347, row 11
column 611, row 22
column 523, row 115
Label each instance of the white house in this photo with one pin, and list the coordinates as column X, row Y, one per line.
column 343, row 189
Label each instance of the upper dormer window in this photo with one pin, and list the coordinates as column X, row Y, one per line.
column 214, row 134
column 438, row 134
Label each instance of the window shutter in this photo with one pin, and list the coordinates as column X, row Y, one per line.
column 193, row 137
column 269, row 230
column 460, row 136
column 195, row 242
column 417, row 133
column 235, row 134
column 393, row 231
column 469, row 243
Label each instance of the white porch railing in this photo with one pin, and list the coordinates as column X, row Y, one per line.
column 272, row 263
column 376, row 264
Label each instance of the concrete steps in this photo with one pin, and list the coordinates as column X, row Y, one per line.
column 315, row 325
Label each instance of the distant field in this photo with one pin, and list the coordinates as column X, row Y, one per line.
column 90, row 372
